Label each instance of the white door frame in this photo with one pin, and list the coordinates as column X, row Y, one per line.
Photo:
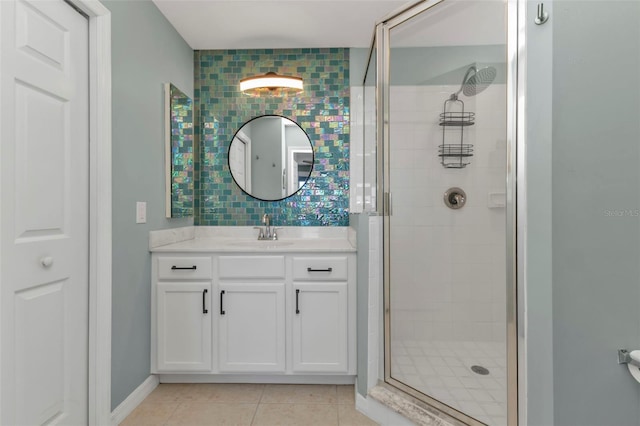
column 99, row 209
column 292, row 166
column 246, row 140
column 99, row 391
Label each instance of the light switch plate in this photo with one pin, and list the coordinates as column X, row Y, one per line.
column 141, row 212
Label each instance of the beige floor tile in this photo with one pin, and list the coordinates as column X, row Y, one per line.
column 200, row 392
column 200, row 413
column 299, row 394
column 346, row 394
column 349, row 416
column 150, row 414
column 168, row 392
column 235, row 392
column 296, row 414
column 197, row 392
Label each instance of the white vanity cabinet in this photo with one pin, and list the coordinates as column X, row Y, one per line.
column 182, row 314
column 251, row 314
column 321, row 320
column 254, row 315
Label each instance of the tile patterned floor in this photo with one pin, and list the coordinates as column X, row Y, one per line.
column 442, row 370
column 208, row 404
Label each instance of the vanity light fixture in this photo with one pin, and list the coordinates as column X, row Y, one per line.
column 271, row 84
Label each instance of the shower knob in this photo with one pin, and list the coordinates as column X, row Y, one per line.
column 455, row 198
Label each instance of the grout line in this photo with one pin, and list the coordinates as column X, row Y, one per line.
column 264, row 388
column 255, row 412
column 253, row 419
column 172, row 413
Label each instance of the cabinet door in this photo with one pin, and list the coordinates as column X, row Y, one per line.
column 252, row 326
column 320, row 329
column 184, row 326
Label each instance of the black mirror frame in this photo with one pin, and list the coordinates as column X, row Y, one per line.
column 313, row 154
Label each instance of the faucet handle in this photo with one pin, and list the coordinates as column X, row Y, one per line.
column 261, row 233
column 274, row 235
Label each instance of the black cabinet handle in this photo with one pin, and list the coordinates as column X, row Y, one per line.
column 204, row 303
column 176, row 268
column 319, row 270
column 222, row 312
column 297, row 296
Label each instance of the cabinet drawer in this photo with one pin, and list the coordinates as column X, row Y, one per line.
column 320, row 268
column 185, row 268
column 251, row 267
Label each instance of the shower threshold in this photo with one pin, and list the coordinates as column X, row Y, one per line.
column 411, row 408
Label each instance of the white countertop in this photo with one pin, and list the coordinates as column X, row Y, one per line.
column 240, row 239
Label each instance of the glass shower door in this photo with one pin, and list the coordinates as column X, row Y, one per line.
column 445, row 245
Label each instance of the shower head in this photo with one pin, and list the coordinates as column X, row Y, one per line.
column 475, row 81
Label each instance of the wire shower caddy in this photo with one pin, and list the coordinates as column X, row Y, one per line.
column 453, row 152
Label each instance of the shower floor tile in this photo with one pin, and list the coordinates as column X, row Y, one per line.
column 442, row 370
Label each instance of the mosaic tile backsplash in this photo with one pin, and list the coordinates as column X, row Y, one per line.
column 182, row 182
column 322, row 110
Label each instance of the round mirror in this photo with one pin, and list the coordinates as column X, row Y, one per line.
column 270, row 157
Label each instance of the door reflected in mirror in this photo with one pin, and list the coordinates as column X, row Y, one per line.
column 270, row 157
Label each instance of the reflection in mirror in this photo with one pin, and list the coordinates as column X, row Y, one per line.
column 270, row 157
column 178, row 152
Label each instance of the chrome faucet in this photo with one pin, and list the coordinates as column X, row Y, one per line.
column 269, row 232
column 267, row 226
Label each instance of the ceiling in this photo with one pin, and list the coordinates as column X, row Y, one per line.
column 256, row 24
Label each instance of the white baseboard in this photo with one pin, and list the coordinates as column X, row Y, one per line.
column 127, row 406
column 257, row 378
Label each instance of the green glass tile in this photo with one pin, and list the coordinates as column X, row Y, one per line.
column 218, row 199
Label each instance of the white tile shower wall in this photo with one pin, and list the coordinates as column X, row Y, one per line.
column 369, row 148
column 356, row 152
column 450, row 264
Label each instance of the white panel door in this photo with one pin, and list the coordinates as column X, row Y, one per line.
column 184, row 326
column 320, row 329
column 44, row 174
column 252, row 327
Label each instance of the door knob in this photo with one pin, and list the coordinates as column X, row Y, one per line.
column 46, row 261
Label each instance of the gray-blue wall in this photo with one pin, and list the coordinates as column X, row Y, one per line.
column 426, row 66
column 538, row 316
column 595, row 196
column 266, row 161
column 146, row 52
column 358, row 58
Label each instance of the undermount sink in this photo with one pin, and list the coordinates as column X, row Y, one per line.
column 261, row 243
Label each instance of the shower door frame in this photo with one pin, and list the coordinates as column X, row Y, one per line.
column 515, row 162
